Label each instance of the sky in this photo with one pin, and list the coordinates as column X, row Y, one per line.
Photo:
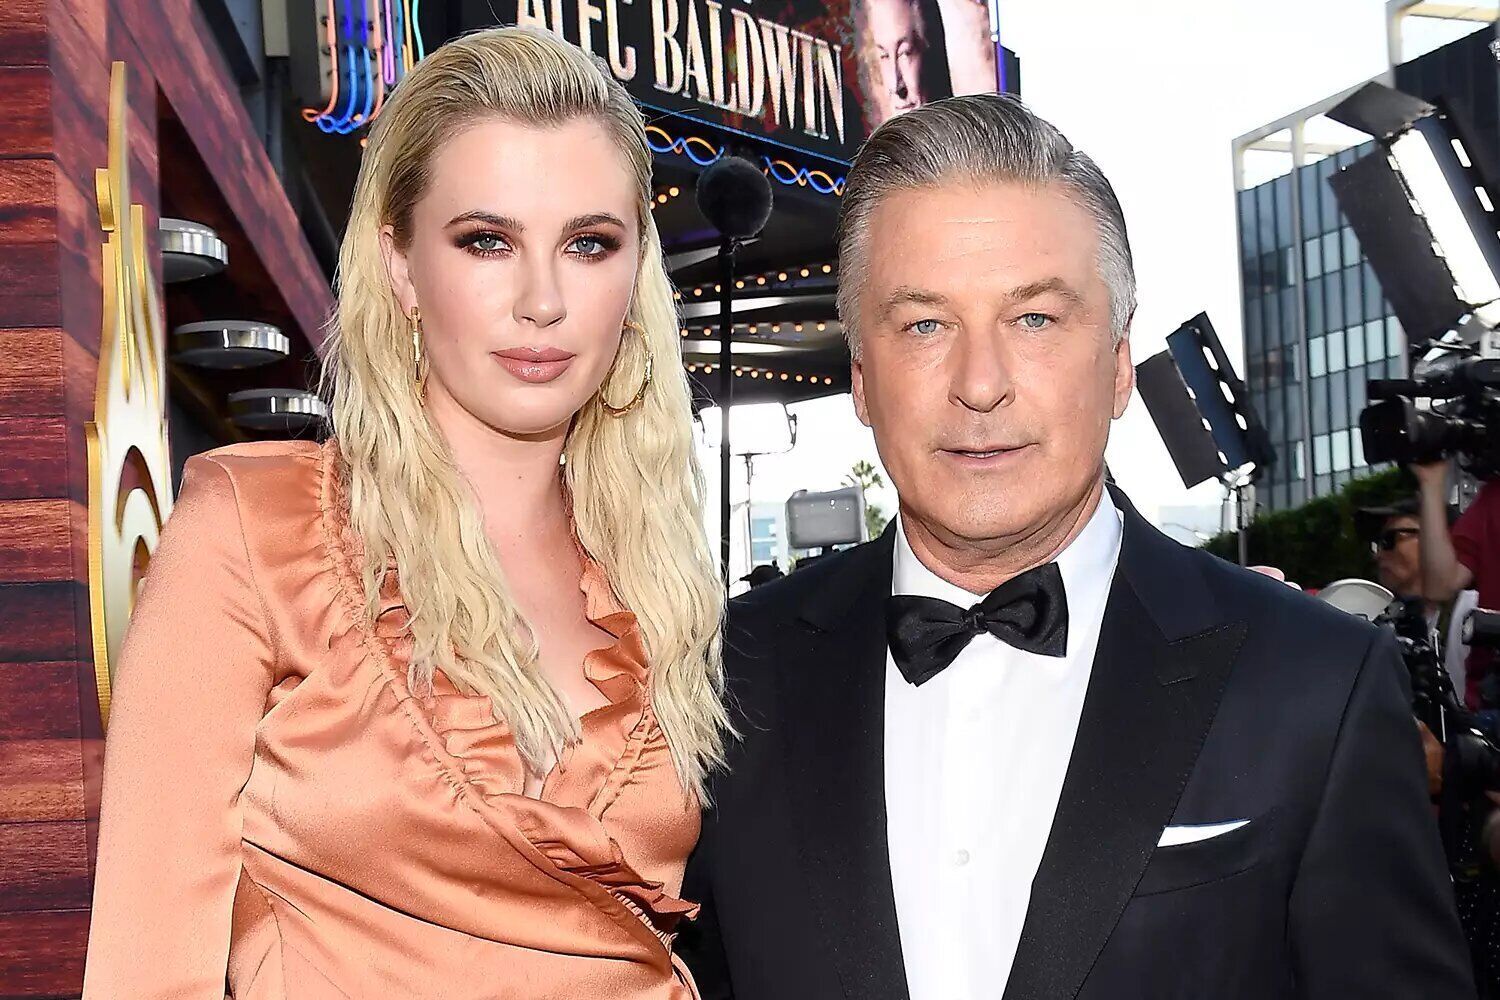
column 1155, row 92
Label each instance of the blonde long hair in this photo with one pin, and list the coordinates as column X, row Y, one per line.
column 634, row 482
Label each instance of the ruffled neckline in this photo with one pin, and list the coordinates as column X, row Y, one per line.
column 562, row 828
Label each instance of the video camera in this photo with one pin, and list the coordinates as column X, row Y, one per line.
column 1471, row 759
column 1465, row 405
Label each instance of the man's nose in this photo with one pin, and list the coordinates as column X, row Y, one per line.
column 982, row 377
column 898, row 79
column 539, row 298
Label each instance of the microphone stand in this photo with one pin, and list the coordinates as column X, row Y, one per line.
column 727, row 249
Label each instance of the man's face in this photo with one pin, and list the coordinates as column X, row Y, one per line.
column 895, row 28
column 987, row 368
column 1400, row 567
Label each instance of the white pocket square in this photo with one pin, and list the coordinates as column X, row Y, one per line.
column 1175, row 836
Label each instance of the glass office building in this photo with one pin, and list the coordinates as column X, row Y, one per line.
column 1317, row 324
column 1317, row 327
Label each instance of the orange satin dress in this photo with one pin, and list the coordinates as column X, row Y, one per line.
column 283, row 818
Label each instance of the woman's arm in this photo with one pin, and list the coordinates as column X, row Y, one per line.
column 195, row 670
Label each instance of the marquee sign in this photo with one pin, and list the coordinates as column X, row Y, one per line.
column 815, row 77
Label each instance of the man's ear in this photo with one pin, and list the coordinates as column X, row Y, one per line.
column 1124, row 375
column 398, row 270
column 857, row 390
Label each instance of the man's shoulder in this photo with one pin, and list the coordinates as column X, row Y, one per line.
column 1277, row 616
column 772, row 615
column 1296, row 644
column 786, row 599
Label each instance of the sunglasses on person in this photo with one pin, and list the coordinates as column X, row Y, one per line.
column 1391, row 537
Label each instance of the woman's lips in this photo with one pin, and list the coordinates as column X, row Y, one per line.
column 535, row 365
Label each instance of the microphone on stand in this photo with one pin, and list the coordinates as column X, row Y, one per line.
column 735, row 196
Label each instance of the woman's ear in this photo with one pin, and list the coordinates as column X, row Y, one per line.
column 398, row 270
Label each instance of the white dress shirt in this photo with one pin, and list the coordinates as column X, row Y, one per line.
column 974, row 767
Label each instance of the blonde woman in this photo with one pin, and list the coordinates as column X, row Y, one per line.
column 427, row 710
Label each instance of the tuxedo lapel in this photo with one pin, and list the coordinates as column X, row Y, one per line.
column 832, row 694
column 1164, row 655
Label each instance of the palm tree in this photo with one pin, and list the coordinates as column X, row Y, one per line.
column 864, row 475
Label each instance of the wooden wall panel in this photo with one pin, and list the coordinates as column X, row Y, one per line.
column 23, row 42
column 41, row 954
column 29, row 286
column 37, row 622
column 44, row 866
column 35, row 466
column 39, row 701
column 31, row 372
column 26, row 110
column 37, row 540
column 41, row 781
column 27, row 210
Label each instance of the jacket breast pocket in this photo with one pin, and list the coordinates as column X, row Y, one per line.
column 1183, row 866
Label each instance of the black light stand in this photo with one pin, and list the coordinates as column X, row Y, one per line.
column 735, row 196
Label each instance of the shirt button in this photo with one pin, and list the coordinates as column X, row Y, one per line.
column 960, row 858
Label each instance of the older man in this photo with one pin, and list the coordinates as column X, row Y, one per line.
column 1023, row 745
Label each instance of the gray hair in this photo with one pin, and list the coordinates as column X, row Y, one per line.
column 979, row 137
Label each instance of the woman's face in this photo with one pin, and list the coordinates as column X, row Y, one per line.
column 522, row 260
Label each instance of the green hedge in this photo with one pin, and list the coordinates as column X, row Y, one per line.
column 1315, row 544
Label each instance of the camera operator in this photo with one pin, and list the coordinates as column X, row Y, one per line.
column 1398, row 543
column 1451, row 563
column 1466, row 558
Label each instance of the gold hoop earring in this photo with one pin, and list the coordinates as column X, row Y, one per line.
column 640, row 394
column 419, row 362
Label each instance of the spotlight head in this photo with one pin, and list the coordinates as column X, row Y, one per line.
column 1377, row 110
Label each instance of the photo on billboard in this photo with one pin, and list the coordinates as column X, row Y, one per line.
column 813, row 77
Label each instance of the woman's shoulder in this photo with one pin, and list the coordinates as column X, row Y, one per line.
column 260, row 458
column 258, row 467
column 268, row 487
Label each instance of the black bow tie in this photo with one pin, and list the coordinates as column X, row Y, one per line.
column 1028, row 612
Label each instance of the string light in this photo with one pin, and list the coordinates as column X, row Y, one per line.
column 827, row 268
column 704, row 151
column 781, row 276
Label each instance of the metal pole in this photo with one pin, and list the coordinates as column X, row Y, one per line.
column 1245, row 494
column 726, row 394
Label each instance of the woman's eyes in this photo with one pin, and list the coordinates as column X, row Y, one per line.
column 602, row 245
column 483, row 243
column 589, row 247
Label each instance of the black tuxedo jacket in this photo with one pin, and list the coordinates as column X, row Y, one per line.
column 1216, row 695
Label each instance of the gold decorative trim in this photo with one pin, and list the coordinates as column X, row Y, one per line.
column 129, row 431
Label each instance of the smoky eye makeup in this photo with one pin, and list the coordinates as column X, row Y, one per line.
column 482, row 242
column 605, row 244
